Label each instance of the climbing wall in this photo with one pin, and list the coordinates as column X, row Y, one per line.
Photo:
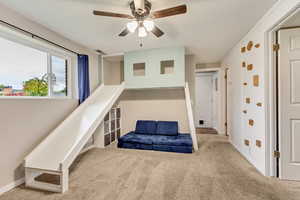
column 252, row 102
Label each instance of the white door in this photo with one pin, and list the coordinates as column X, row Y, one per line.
column 289, row 104
column 204, row 89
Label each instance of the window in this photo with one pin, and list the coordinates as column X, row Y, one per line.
column 59, row 76
column 26, row 71
column 139, row 69
column 167, row 67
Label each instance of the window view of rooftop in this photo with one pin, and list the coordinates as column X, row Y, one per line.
column 29, row 74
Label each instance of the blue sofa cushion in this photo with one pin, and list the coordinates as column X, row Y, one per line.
column 179, row 140
column 145, row 127
column 136, row 138
column 181, row 143
column 177, row 149
column 135, row 146
column 167, row 128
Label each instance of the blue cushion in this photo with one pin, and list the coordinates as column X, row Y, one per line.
column 177, row 149
column 136, row 138
column 167, row 128
column 145, row 127
column 135, row 146
column 179, row 140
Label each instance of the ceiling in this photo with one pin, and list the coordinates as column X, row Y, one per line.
column 208, row 30
column 293, row 21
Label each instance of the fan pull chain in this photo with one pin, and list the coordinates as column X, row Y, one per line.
column 141, row 42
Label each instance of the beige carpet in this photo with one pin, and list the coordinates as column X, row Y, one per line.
column 206, row 131
column 215, row 172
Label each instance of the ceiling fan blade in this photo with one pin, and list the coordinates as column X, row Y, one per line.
column 169, row 12
column 110, row 14
column 124, row 32
column 157, row 32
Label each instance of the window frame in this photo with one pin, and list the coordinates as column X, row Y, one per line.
column 50, row 50
column 68, row 76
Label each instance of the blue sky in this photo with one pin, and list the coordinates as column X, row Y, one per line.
column 19, row 63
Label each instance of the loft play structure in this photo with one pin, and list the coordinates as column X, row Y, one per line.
column 157, row 68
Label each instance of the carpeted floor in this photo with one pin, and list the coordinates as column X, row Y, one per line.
column 206, row 131
column 216, row 172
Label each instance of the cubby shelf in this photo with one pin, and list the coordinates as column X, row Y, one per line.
column 112, row 126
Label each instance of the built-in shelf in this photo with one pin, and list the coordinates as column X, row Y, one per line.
column 112, row 126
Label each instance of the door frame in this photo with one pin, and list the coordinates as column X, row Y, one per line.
column 221, row 123
column 271, row 114
column 226, row 100
column 205, row 78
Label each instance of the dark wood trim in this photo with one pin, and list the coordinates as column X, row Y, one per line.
column 36, row 36
column 226, row 101
column 277, row 105
column 285, row 28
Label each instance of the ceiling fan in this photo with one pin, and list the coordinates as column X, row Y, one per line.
column 142, row 17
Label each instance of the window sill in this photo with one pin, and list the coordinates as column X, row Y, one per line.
column 36, row 98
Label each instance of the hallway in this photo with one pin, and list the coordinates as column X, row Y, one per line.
column 216, row 172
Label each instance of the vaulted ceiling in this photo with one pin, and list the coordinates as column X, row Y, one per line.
column 208, row 30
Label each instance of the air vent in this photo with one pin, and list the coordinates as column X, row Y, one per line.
column 99, row 51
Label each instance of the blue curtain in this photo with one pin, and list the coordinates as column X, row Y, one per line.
column 83, row 78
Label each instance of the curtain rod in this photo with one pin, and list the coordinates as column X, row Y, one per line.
column 38, row 37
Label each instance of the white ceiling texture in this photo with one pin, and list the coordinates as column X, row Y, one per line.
column 208, row 30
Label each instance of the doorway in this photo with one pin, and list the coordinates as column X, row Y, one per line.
column 288, row 64
column 285, row 161
column 207, row 105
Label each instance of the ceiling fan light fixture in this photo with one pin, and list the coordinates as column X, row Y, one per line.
column 142, row 17
column 142, row 32
column 131, row 26
column 149, row 25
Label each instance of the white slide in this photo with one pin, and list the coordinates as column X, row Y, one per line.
column 56, row 153
column 190, row 115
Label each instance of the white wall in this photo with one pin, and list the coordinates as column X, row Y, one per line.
column 239, row 129
column 24, row 123
column 113, row 72
column 153, row 104
column 207, row 65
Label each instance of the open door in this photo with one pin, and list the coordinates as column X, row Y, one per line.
column 289, row 103
column 204, row 100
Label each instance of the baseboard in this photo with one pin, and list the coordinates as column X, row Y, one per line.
column 12, row 185
column 221, row 133
column 251, row 162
